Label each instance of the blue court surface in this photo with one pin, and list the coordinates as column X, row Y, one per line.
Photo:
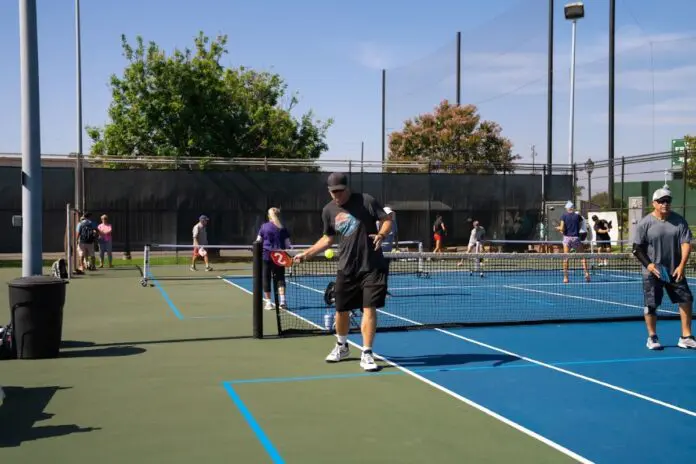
column 589, row 389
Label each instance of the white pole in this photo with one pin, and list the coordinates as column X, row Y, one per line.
column 32, row 183
column 572, row 98
column 79, row 178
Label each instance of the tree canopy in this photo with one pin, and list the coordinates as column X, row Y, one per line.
column 690, row 144
column 188, row 104
column 454, row 137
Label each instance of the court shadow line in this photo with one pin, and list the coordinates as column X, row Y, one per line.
column 450, row 359
column 22, row 408
column 103, row 352
column 68, row 344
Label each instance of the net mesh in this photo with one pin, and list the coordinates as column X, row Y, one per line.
column 460, row 289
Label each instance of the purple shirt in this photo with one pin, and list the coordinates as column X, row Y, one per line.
column 273, row 238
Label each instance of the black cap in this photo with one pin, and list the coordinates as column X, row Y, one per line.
column 337, row 181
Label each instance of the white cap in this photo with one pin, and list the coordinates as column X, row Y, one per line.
column 569, row 205
column 661, row 193
column 387, row 210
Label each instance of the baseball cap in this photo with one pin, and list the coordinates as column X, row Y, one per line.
column 661, row 193
column 569, row 205
column 337, row 181
column 388, row 210
column 203, row 217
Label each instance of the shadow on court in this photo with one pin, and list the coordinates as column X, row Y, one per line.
column 108, row 352
column 437, row 360
column 132, row 344
column 23, row 408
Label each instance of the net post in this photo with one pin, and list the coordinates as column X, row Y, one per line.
column 146, row 265
column 421, row 264
column 68, row 241
column 257, row 293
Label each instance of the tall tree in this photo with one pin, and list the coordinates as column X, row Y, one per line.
column 189, row 105
column 690, row 145
column 453, row 138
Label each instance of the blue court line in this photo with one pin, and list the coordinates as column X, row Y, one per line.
column 263, row 438
column 451, row 369
column 169, row 301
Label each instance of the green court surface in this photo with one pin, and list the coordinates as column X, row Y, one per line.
column 141, row 380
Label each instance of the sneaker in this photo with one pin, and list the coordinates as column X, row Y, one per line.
column 193, row 268
column 367, row 361
column 339, row 353
column 268, row 305
column 283, row 306
column 208, row 268
column 653, row 343
column 687, row 342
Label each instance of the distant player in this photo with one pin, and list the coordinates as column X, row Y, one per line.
column 475, row 245
column 439, row 232
column 274, row 236
column 570, row 228
column 602, row 228
column 200, row 241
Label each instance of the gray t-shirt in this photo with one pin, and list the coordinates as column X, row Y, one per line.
column 354, row 222
column 663, row 238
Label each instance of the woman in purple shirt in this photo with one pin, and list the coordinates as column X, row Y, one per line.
column 274, row 236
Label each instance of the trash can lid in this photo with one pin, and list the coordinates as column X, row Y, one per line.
column 32, row 281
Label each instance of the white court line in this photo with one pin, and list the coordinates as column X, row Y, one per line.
column 555, row 368
column 553, row 284
column 565, row 295
column 449, row 392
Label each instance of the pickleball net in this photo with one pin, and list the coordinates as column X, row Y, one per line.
column 163, row 261
column 430, row 290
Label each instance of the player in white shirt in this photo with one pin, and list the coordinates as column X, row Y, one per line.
column 200, row 240
column 475, row 238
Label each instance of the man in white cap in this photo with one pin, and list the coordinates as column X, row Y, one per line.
column 570, row 226
column 662, row 244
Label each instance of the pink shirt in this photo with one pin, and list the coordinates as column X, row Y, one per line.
column 104, row 232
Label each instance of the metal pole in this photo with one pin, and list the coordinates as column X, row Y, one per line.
column 571, row 130
column 459, row 68
column 362, row 166
column 549, row 94
column 612, row 37
column 589, row 188
column 684, row 175
column 79, row 175
column 384, row 116
column 31, row 141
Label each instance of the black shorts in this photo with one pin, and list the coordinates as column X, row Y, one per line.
column 603, row 240
column 363, row 290
column 653, row 291
column 583, row 236
column 271, row 269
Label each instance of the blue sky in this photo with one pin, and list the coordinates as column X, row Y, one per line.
column 332, row 54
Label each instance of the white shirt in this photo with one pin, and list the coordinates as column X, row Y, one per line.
column 200, row 234
column 476, row 234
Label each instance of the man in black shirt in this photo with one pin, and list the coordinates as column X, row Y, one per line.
column 361, row 280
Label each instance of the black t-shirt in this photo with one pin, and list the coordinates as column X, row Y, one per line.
column 601, row 225
column 439, row 226
column 354, row 222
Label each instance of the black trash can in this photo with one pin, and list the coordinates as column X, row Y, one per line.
column 36, row 306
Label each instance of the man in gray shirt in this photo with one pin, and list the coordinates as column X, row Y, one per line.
column 662, row 244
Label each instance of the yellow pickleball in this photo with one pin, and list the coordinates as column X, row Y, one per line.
column 329, row 254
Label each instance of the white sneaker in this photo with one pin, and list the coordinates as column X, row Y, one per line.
column 367, row 362
column 339, row 353
column 653, row 343
column 687, row 342
column 208, row 268
column 268, row 306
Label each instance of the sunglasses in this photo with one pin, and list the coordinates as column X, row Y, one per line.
column 664, row 201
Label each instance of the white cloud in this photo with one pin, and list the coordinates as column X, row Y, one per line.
column 668, row 112
column 373, row 55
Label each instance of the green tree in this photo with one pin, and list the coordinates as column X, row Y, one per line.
column 690, row 144
column 455, row 139
column 189, row 105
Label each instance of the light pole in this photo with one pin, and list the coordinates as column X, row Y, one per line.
column 573, row 12
column 589, row 167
